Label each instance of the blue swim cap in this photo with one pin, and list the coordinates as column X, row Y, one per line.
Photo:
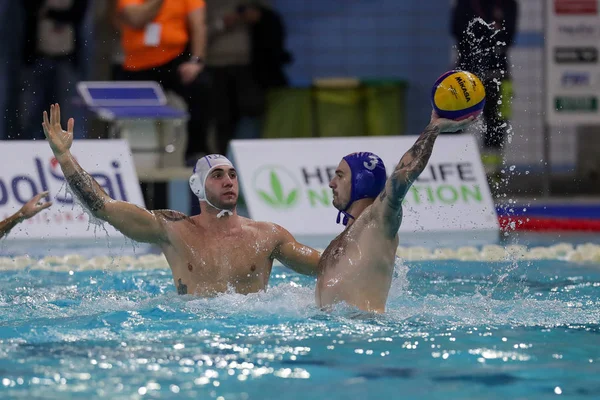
column 368, row 178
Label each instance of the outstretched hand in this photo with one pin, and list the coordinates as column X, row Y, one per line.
column 60, row 140
column 450, row 125
column 35, row 205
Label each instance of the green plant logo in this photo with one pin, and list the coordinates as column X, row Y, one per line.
column 276, row 186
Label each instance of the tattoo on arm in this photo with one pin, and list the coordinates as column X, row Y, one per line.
column 87, row 189
column 383, row 194
column 181, row 288
column 173, row 216
column 410, row 166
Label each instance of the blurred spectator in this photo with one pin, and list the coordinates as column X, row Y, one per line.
column 267, row 39
column 108, row 34
column 51, row 57
column 237, row 97
column 165, row 41
column 483, row 50
column 11, row 26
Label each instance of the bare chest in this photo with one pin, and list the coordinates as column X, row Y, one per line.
column 241, row 260
column 336, row 250
column 354, row 252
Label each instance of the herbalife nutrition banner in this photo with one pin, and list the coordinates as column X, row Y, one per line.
column 28, row 168
column 573, row 71
column 286, row 181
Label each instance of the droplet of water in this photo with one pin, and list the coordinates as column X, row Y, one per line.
column 557, row 390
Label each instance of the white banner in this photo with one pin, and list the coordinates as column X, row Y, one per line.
column 29, row 167
column 573, row 71
column 286, row 181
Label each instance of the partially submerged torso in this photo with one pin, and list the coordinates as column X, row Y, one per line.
column 206, row 261
column 357, row 267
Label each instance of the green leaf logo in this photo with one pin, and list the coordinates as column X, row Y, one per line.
column 267, row 198
column 276, row 187
column 291, row 199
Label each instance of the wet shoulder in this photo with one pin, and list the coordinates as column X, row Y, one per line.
column 173, row 216
column 262, row 227
column 368, row 226
column 264, row 230
column 175, row 225
column 366, row 217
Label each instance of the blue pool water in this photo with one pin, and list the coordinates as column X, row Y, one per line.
column 465, row 330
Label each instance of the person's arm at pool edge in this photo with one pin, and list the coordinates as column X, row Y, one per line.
column 133, row 221
column 31, row 208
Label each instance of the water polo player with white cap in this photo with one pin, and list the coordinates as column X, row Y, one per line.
column 357, row 267
column 202, row 170
column 210, row 253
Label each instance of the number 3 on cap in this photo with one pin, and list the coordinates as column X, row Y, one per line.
column 371, row 166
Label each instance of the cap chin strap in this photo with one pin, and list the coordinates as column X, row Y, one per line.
column 346, row 217
column 222, row 212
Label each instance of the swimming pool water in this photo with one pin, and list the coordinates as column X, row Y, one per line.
column 518, row 330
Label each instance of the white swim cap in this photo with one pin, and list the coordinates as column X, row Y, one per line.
column 203, row 168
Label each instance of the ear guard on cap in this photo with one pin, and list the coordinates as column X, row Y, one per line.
column 197, row 185
column 363, row 184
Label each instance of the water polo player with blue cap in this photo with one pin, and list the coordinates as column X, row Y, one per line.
column 357, row 267
column 368, row 176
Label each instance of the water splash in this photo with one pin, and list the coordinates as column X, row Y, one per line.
column 134, row 331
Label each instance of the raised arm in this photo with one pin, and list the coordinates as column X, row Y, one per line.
column 31, row 208
column 388, row 206
column 133, row 221
column 298, row 257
